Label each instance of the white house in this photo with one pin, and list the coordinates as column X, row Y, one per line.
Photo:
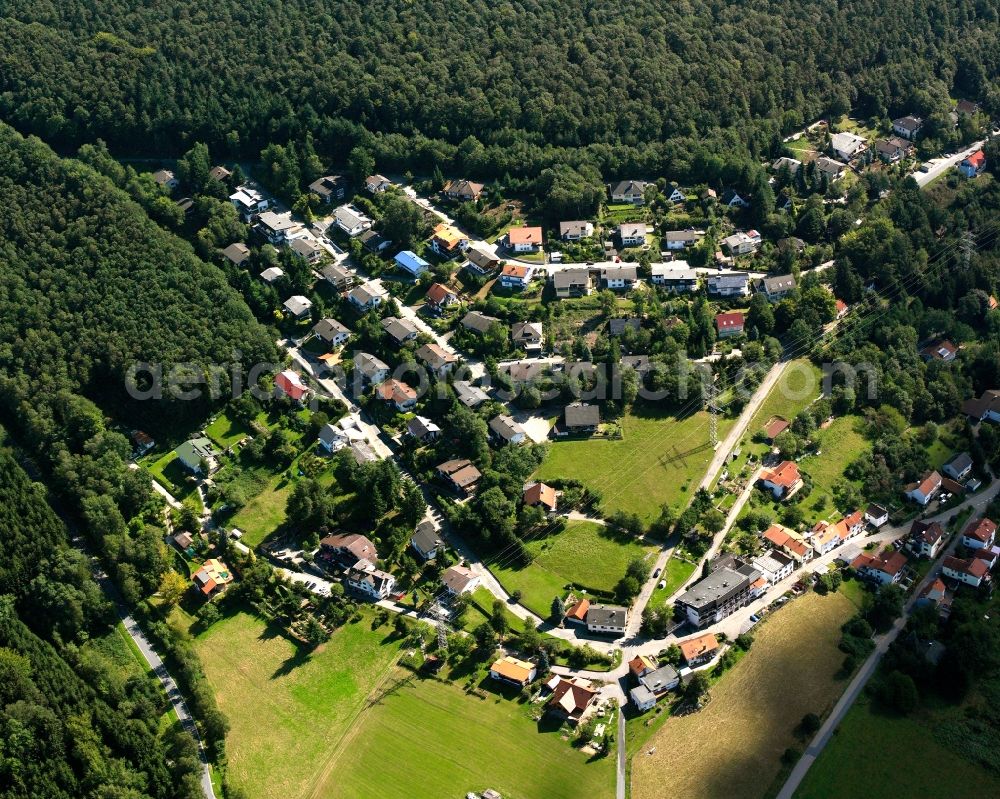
column 675, row 276
column 426, row 541
column 876, row 515
column 331, row 332
column 682, row 239
column 346, row 432
column 366, row 296
column 970, row 571
column 908, row 127
column 350, row 220
column 516, row 276
column 847, row 145
column 297, row 306
column 373, row 583
column 607, row 619
column 459, row 580
column 729, row 284
column 923, row 490
column 620, row 278
column 632, row 234
column 979, row 534
column 248, row 201
column 743, row 242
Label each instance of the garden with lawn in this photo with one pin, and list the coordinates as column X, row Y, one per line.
column 659, row 459
column 585, row 555
column 458, row 743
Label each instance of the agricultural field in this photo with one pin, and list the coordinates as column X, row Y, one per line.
column 754, row 709
column 910, row 761
column 457, row 743
column 290, row 710
column 585, row 554
column 659, row 459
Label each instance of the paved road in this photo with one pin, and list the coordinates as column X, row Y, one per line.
column 620, row 784
column 870, row 666
column 938, row 166
column 167, row 681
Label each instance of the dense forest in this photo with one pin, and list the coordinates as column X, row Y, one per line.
column 68, row 726
column 486, row 87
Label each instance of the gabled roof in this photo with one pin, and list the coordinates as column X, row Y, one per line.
column 694, row 648
column 524, row 235
column 513, row 669
column 729, row 321
column 439, row 293
column 886, row 561
column 505, row 427
column 980, row 529
column 426, row 537
column 237, row 252
column 395, row 391
column 435, row 357
column 479, row 322
column 579, row 414
column 785, row 475
column 457, row 578
column 356, row 544
column 539, row 494
column 327, row 329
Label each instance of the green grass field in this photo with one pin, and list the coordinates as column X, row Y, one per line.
column 225, row 431
column 584, row 554
column 428, row 740
column 840, row 445
column 289, row 710
column 660, row 459
column 909, row 762
column 675, row 574
column 170, row 473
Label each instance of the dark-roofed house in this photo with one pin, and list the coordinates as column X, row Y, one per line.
column 970, row 571
column 925, row 539
column 482, row 260
column 237, row 252
column 366, row 297
column 374, row 583
column 350, row 220
column 576, row 230
column 307, row 249
column 437, row 359
column 423, row 429
column 469, row 395
column 721, row 593
column 777, row 287
column 620, row 277
column 478, row 322
column 221, row 174
column 943, row 350
column 729, row 284
column 340, row 277
column 959, row 467
column 400, row 330
column 331, row 332
column 682, row 239
column 572, row 282
column 329, row 188
column 580, row 417
column 464, row 190
column 528, row 335
column 459, row 579
column 892, row 150
column 426, row 541
column 628, row 191
column 506, row 430
column 983, row 408
column 374, row 242
column 462, row 475
column 372, row 369
column 908, row 127
column 607, row 619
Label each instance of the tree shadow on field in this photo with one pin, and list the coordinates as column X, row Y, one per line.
column 299, row 657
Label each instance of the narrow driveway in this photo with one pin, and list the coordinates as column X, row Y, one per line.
column 938, row 166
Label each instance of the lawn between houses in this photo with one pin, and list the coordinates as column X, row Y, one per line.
column 658, row 460
column 344, row 721
column 733, row 746
column 585, row 555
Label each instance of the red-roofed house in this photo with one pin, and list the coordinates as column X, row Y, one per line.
column 782, row 481
column 923, row 490
column 524, row 239
column 789, row 542
column 966, row 570
column 398, row 393
column 440, row 296
column 973, row 165
column 516, row 276
column 729, row 324
column 571, row 698
column 290, row 384
column 540, row 494
column 884, row 568
column 774, row 428
column 937, row 595
column 841, row 309
column 979, row 533
column 701, row 649
column 577, row 612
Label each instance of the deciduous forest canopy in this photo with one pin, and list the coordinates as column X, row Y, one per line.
column 491, row 87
